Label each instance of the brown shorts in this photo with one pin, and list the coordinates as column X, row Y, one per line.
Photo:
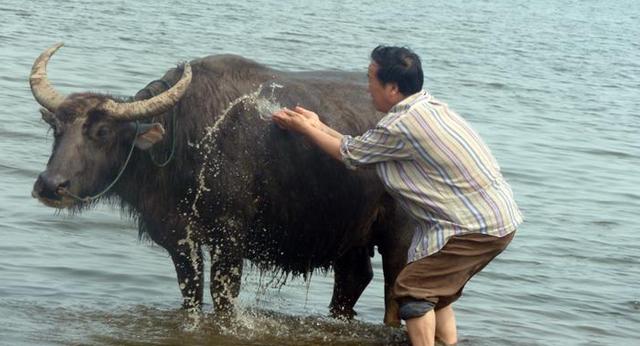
column 440, row 278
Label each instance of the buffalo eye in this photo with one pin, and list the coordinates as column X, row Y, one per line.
column 103, row 132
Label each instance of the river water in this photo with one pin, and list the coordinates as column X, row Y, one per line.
column 553, row 87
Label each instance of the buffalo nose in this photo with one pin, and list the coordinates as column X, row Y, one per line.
column 48, row 185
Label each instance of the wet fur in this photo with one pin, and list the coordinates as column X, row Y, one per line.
column 271, row 197
column 280, row 232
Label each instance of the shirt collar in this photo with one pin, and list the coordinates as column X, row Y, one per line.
column 409, row 101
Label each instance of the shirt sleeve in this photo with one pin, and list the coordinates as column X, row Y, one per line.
column 376, row 145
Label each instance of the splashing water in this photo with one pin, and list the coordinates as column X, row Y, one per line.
column 265, row 105
column 142, row 325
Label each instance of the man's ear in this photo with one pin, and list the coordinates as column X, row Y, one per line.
column 393, row 88
column 148, row 135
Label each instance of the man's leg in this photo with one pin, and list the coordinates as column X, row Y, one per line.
column 440, row 278
column 422, row 330
column 446, row 330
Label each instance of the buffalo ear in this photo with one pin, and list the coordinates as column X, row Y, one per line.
column 148, row 135
column 49, row 117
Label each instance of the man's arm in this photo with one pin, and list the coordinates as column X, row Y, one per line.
column 326, row 129
column 309, row 125
column 378, row 144
column 326, row 139
column 315, row 121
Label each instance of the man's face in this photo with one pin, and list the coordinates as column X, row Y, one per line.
column 383, row 96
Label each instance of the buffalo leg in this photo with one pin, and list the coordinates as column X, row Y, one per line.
column 226, row 275
column 395, row 239
column 187, row 259
column 172, row 234
column 392, row 263
column 352, row 274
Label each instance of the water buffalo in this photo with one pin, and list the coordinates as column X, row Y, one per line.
column 224, row 178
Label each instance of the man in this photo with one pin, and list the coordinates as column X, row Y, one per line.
column 441, row 172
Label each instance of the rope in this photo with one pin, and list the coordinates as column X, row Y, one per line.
column 133, row 145
column 91, row 198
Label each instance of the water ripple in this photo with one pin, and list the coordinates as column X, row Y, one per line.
column 551, row 86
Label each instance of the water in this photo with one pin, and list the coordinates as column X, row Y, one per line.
column 551, row 85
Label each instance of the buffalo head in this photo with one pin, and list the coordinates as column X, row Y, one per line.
column 93, row 135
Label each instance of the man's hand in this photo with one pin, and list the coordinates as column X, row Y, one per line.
column 285, row 116
column 299, row 120
column 308, row 124
column 311, row 116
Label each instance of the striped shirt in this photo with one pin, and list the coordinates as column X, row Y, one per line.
column 439, row 170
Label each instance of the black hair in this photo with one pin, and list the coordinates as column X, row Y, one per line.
column 399, row 65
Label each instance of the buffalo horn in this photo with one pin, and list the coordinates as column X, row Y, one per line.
column 42, row 90
column 150, row 107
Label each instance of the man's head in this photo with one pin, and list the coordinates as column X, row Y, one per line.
column 394, row 74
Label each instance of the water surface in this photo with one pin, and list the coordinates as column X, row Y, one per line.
column 551, row 85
